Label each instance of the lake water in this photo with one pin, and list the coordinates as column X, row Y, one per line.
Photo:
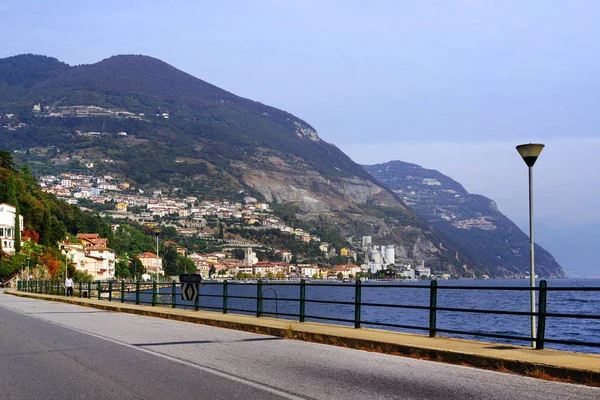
column 566, row 302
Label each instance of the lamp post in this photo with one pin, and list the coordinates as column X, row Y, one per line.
column 157, row 232
column 530, row 153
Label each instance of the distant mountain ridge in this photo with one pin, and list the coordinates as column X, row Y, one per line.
column 472, row 222
column 187, row 134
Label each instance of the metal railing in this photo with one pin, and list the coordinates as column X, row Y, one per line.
column 166, row 294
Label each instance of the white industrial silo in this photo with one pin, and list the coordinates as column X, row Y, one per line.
column 366, row 241
column 375, row 255
column 390, row 254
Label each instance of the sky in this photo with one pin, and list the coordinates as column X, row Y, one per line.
column 449, row 85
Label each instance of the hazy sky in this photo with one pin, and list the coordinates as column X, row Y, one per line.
column 450, row 85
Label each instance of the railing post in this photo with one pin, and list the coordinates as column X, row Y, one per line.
column 154, row 294
column 99, row 290
column 302, row 299
column 110, row 291
column 432, row 308
column 225, row 296
column 137, row 292
column 357, row 303
column 89, row 290
column 80, row 286
column 174, row 294
column 197, row 302
column 122, row 291
column 259, row 300
column 541, row 328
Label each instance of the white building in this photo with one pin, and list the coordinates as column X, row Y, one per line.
column 151, row 262
column 7, row 227
column 250, row 257
column 95, row 260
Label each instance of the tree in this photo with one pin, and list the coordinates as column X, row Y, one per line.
column 6, row 160
column 122, row 268
column 27, row 174
column 80, row 276
column 9, row 265
column 51, row 264
column 137, row 267
column 185, row 265
column 340, row 276
column 46, row 227
column 170, row 260
column 11, row 198
column 211, row 271
column 17, row 229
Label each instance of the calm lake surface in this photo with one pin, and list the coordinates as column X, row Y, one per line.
column 567, row 302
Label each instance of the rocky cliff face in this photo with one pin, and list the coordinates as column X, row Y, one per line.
column 471, row 222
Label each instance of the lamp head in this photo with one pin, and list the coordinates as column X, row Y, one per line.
column 157, row 230
column 530, row 152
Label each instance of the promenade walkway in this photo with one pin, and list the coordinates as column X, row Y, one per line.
column 543, row 364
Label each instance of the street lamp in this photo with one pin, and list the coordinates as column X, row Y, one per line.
column 157, row 232
column 530, row 153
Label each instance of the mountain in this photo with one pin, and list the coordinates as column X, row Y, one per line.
column 471, row 222
column 141, row 119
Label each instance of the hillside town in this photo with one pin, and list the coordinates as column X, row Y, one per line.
column 189, row 215
column 89, row 253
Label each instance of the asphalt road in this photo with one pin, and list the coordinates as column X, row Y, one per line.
column 56, row 351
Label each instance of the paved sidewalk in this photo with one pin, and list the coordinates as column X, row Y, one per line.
column 544, row 364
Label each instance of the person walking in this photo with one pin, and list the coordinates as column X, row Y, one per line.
column 69, row 286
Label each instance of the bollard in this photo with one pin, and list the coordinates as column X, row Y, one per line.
column 432, row 308
column 80, row 286
column 302, row 299
column 137, row 292
column 99, row 291
column 122, row 291
column 110, row 291
column 357, row 303
column 89, row 296
column 225, row 296
column 541, row 328
column 154, row 294
column 174, row 294
column 259, row 300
